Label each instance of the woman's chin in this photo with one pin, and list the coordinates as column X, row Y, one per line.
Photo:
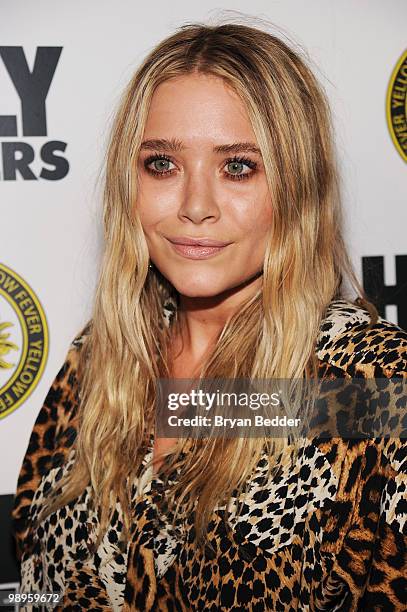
column 201, row 285
column 196, row 292
column 203, row 289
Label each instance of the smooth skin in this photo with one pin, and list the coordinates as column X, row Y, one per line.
column 195, row 193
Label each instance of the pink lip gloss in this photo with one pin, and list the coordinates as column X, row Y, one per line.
column 196, row 252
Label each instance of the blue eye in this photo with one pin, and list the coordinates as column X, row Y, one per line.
column 161, row 165
column 238, row 163
column 160, row 162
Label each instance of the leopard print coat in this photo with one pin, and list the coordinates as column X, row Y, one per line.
column 328, row 535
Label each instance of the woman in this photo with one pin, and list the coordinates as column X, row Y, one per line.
column 223, row 258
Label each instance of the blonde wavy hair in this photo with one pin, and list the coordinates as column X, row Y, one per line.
column 274, row 333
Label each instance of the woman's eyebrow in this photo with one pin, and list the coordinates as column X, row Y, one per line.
column 175, row 145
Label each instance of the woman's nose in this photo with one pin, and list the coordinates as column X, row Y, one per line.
column 198, row 200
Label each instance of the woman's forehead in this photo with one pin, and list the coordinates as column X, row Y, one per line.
column 199, row 110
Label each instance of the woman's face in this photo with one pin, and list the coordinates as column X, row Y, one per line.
column 200, row 177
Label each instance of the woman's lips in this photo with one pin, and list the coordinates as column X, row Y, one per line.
column 196, row 252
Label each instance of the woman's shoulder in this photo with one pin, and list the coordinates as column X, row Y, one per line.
column 348, row 340
column 52, row 436
column 62, row 399
column 59, row 409
column 79, row 339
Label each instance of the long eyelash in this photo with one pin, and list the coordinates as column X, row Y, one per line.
column 238, row 177
column 154, row 158
column 243, row 160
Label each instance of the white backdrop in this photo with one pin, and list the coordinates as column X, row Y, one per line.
column 51, row 229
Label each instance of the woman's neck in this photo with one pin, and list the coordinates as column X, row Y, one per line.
column 201, row 321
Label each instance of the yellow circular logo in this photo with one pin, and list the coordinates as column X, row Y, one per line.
column 396, row 106
column 23, row 340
